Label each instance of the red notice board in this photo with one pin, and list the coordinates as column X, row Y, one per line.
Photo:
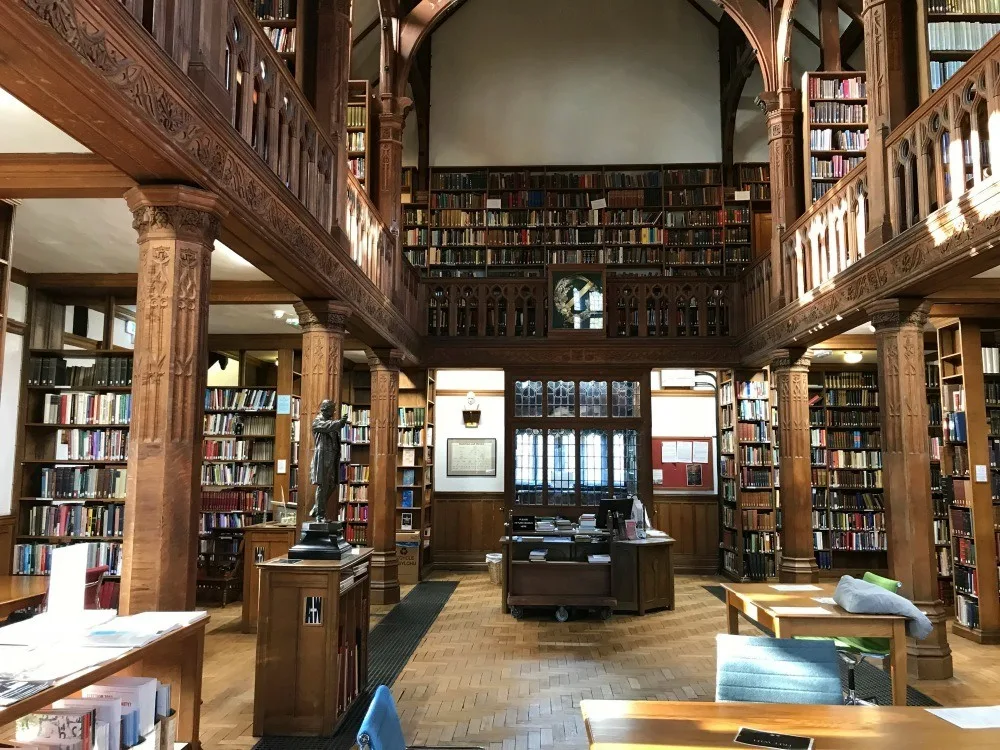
column 685, row 476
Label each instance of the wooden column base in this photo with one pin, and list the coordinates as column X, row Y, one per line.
column 384, row 578
column 798, row 570
column 930, row 659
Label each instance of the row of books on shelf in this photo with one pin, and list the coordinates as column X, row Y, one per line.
column 357, row 166
column 991, row 362
column 758, row 567
column 101, row 371
column 236, row 501
column 35, row 558
column 208, row 522
column 240, row 399
column 356, row 415
column 223, row 475
column 967, row 611
column 87, row 408
column 854, row 459
column 837, row 113
column 954, row 427
column 852, row 418
column 355, row 473
column 944, row 562
column 357, row 116
column 960, row 36
column 408, row 477
column 411, row 437
column 239, row 426
column 528, row 180
column 239, row 450
column 828, row 139
column 856, row 478
column 356, row 142
column 406, row 498
column 356, row 535
column 964, row 551
column 411, row 416
column 76, row 520
column 864, row 541
column 942, row 71
column 851, row 397
column 963, row 6
column 356, row 436
column 845, row 521
column 115, row 714
column 282, row 38
column 80, row 444
column 219, row 546
column 353, row 493
column 966, row 580
column 845, row 439
column 82, row 483
column 836, row 88
column 832, row 167
column 754, row 455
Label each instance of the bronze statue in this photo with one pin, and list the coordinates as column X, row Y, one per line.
column 324, row 469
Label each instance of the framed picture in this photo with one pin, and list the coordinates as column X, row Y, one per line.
column 576, row 294
column 472, row 457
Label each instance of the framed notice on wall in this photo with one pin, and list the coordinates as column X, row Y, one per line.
column 472, row 457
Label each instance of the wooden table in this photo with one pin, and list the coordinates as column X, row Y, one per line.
column 681, row 725
column 176, row 657
column 18, row 592
column 757, row 601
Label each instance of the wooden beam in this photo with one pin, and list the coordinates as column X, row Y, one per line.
column 223, row 292
column 829, row 34
column 234, row 342
column 969, row 291
column 848, row 341
column 697, row 6
column 852, row 8
column 365, row 32
column 852, row 38
column 61, row 176
column 978, row 310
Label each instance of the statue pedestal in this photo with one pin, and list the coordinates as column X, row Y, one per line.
column 320, row 540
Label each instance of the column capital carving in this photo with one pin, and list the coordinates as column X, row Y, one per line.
column 176, row 211
column 791, row 359
column 384, row 359
column 323, row 315
column 893, row 314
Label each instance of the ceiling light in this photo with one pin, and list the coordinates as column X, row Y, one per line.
column 871, row 327
column 852, row 358
column 279, row 314
column 820, row 353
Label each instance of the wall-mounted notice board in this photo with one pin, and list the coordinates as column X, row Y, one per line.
column 683, row 464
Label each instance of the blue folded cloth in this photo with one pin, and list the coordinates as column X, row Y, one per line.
column 863, row 598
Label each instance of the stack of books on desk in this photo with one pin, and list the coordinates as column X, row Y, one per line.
column 564, row 524
column 538, row 555
column 545, row 524
column 588, row 522
column 598, row 559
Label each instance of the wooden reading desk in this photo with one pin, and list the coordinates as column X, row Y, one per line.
column 679, row 725
column 18, row 592
column 759, row 600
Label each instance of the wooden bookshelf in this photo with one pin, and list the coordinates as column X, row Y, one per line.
column 834, row 128
column 515, row 221
column 942, row 523
column 355, row 453
column 414, row 482
column 283, row 22
column 969, row 477
column 755, row 177
column 748, row 505
column 359, row 99
column 415, row 219
column 70, row 482
column 949, row 32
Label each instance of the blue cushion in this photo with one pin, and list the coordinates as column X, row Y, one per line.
column 380, row 729
column 777, row 670
column 866, row 598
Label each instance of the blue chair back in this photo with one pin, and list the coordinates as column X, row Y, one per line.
column 380, row 729
column 776, row 670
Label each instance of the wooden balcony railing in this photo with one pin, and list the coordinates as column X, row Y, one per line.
column 501, row 308
column 755, row 292
column 270, row 112
column 827, row 238
column 942, row 150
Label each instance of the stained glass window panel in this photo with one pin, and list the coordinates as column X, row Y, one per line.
column 528, row 398
column 625, row 398
column 593, row 466
column 561, row 395
column 528, row 463
column 593, row 398
column 561, row 469
column 625, row 462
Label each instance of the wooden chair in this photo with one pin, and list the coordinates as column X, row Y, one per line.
column 221, row 573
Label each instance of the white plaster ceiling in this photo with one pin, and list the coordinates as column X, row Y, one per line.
column 993, row 273
column 94, row 235
column 24, row 132
column 247, row 319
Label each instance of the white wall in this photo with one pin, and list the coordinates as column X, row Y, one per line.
column 750, row 141
column 686, row 416
column 575, row 82
column 10, row 394
column 448, row 423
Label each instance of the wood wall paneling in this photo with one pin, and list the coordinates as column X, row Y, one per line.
column 466, row 527
column 693, row 521
column 6, row 543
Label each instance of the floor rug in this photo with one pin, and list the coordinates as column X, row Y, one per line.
column 870, row 680
column 391, row 643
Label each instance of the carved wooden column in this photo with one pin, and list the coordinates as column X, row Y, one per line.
column 177, row 227
column 333, row 70
column 886, row 85
column 790, row 377
column 390, row 155
column 324, row 325
column 384, row 365
column 786, row 182
column 906, row 478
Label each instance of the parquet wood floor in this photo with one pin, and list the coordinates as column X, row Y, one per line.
column 481, row 678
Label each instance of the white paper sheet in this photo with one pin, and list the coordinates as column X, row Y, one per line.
column 668, row 452
column 684, row 451
column 700, row 453
column 795, row 587
column 790, row 611
column 973, row 717
column 657, row 476
column 52, row 661
column 824, row 599
column 67, row 581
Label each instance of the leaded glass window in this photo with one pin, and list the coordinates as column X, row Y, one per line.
column 528, row 463
column 561, row 469
column 528, row 398
column 593, row 398
column 625, row 398
column 561, row 395
column 593, row 466
column 626, row 462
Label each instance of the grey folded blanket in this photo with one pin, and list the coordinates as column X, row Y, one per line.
column 861, row 597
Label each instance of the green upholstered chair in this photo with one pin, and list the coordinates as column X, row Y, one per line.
column 855, row 650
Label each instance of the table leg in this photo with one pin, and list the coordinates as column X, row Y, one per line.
column 897, row 656
column 732, row 615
